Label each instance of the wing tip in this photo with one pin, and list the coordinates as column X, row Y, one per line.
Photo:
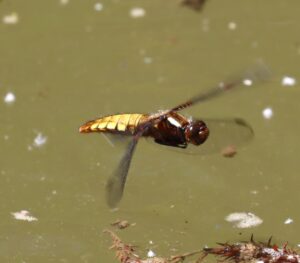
column 114, row 192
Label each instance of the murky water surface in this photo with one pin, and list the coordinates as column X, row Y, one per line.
column 65, row 62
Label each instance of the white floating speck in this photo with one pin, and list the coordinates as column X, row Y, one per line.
column 64, row 2
column 288, row 221
column 244, row 220
column 39, row 140
column 267, row 113
column 150, row 254
column 205, row 25
column 137, row 12
column 148, row 60
column 11, row 19
column 247, row 82
column 9, row 98
column 24, row 215
column 98, row 6
column 288, row 81
column 232, row 26
column 150, row 242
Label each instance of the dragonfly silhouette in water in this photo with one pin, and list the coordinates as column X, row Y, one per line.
column 170, row 128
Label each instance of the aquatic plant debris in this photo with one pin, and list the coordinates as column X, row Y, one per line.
column 121, row 224
column 137, row 12
column 243, row 220
column 9, row 98
column 126, row 253
column 24, row 215
column 252, row 251
column 11, row 19
column 229, row 151
column 239, row 252
column 288, row 81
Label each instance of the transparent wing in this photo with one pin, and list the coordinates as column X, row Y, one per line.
column 223, row 133
column 116, row 183
column 258, row 73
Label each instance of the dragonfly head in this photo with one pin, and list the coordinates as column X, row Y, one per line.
column 196, row 132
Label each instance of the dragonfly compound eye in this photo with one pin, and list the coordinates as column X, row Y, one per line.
column 196, row 132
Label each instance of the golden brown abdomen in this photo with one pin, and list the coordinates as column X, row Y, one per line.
column 119, row 123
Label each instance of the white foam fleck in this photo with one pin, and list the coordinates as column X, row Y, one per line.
column 148, row 60
column 39, row 140
column 98, row 6
column 24, row 215
column 232, row 25
column 247, row 82
column 137, row 12
column 11, row 19
column 288, row 221
column 267, row 113
column 151, row 254
column 205, row 25
column 64, row 2
column 243, row 219
column 288, row 81
column 9, row 98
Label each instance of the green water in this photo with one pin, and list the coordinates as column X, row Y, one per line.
column 67, row 64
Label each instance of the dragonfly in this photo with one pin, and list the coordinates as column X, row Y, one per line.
column 168, row 128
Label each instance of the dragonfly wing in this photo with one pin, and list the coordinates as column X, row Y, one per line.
column 116, row 182
column 225, row 132
column 258, row 73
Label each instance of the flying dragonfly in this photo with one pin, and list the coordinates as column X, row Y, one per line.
column 169, row 128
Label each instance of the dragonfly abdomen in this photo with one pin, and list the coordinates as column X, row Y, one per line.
column 119, row 123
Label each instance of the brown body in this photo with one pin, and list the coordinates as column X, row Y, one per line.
column 169, row 131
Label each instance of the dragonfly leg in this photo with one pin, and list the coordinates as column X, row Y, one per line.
column 173, row 144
